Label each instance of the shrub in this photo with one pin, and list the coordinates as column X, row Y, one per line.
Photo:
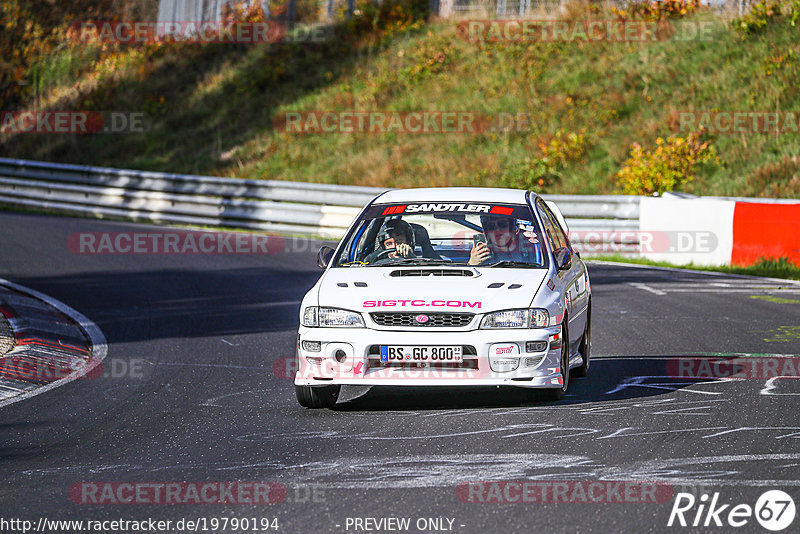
column 529, row 173
column 760, row 15
column 542, row 173
column 242, row 11
column 431, row 58
column 779, row 61
column 657, row 10
column 670, row 165
column 564, row 147
column 33, row 30
column 794, row 13
column 387, row 18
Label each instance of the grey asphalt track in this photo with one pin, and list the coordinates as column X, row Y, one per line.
column 199, row 394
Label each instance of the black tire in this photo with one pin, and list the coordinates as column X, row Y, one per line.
column 586, row 346
column 317, row 396
column 557, row 394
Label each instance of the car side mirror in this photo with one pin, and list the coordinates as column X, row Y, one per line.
column 563, row 258
column 324, row 256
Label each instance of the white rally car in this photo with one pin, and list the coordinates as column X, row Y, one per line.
column 447, row 287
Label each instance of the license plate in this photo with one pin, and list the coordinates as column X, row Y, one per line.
column 400, row 353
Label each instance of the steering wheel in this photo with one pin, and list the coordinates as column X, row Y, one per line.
column 384, row 254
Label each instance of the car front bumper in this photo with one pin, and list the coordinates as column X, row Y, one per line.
column 502, row 357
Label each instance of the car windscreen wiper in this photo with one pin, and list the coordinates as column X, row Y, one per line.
column 510, row 263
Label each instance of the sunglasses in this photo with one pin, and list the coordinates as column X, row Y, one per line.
column 500, row 224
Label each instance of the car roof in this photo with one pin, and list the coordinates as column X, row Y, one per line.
column 453, row 194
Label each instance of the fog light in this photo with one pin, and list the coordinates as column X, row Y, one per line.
column 504, row 365
column 535, row 346
column 312, row 346
column 342, row 354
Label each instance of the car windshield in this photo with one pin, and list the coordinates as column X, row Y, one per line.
column 480, row 235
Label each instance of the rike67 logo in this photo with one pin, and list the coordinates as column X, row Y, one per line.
column 774, row 510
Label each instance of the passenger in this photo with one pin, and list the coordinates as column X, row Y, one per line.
column 502, row 242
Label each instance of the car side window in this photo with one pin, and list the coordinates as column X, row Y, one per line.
column 562, row 237
column 552, row 235
column 359, row 243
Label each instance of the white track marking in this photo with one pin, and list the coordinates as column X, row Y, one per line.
column 769, row 386
column 645, row 287
column 620, row 434
column 639, row 381
column 447, row 471
column 213, row 401
column 752, row 428
column 222, row 365
column 684, row 411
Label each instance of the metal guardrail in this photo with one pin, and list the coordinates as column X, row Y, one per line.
column 270, row 205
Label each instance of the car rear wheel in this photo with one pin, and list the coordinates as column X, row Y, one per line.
column 586, row 345
column 557, row 394
column 317, row 396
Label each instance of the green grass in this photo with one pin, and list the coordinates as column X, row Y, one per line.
column 211, row 107
column 771, row 268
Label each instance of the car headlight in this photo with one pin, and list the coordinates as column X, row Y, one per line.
column 528, row 318
column 321, row 316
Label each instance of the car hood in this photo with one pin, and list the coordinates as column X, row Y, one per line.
column 451, row 289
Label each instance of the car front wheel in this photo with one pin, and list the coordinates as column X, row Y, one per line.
column 585, row 346
column 557, row 394
column 317, row 396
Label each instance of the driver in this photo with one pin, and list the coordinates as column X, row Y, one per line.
column 394, row 234
column 503, row 241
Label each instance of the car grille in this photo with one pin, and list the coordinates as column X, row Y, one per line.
column 435, row 320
